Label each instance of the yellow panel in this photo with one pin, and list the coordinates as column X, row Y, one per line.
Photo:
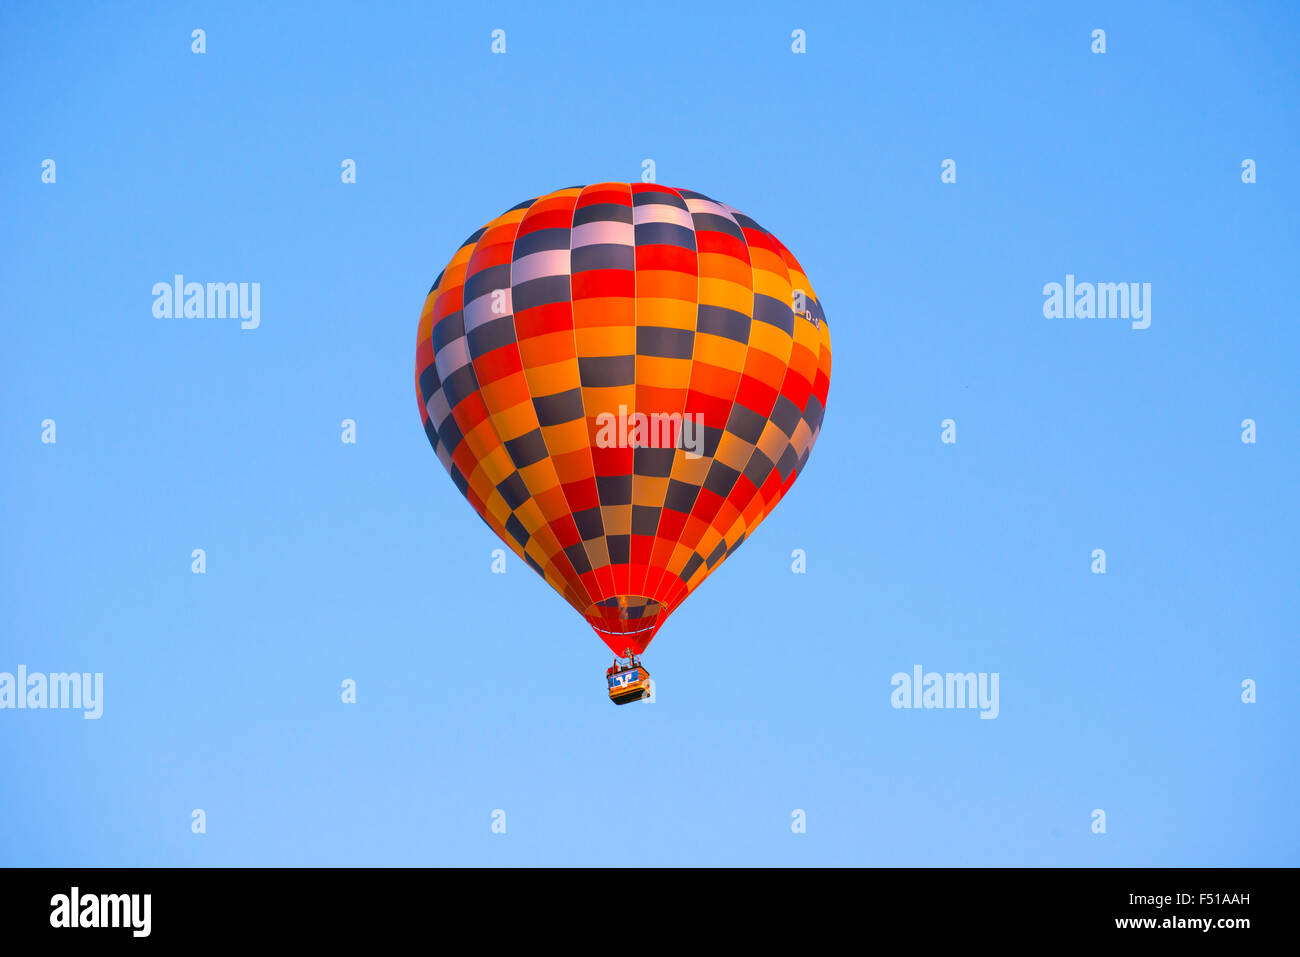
column 617, row 519
column 773, row 341
column 515, row 421
column 771, row 284
column 719, row 292
column 720, row 351
column 734, row 452
column 553, row 378
column 566, row 437
column 606, row 341
column 663, row 373
column 649, row 489
column 673, row 313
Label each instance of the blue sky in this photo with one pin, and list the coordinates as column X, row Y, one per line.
column 478, row 692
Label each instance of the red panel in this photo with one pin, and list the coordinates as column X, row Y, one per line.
column 582, row 495
column 756, row 396
column 657, row 256
column 610, row 462
column 708, row 241
column 604, row 283
column 498, row 364
column 566, row 531
column 559, row 218
column 671, row 524
column 541, row 320
column 715, row 410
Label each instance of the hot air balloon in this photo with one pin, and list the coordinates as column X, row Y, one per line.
column 623, row 380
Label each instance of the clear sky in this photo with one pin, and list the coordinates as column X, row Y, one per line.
column 328, row 561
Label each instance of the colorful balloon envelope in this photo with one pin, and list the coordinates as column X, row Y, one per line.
column 624, row 380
